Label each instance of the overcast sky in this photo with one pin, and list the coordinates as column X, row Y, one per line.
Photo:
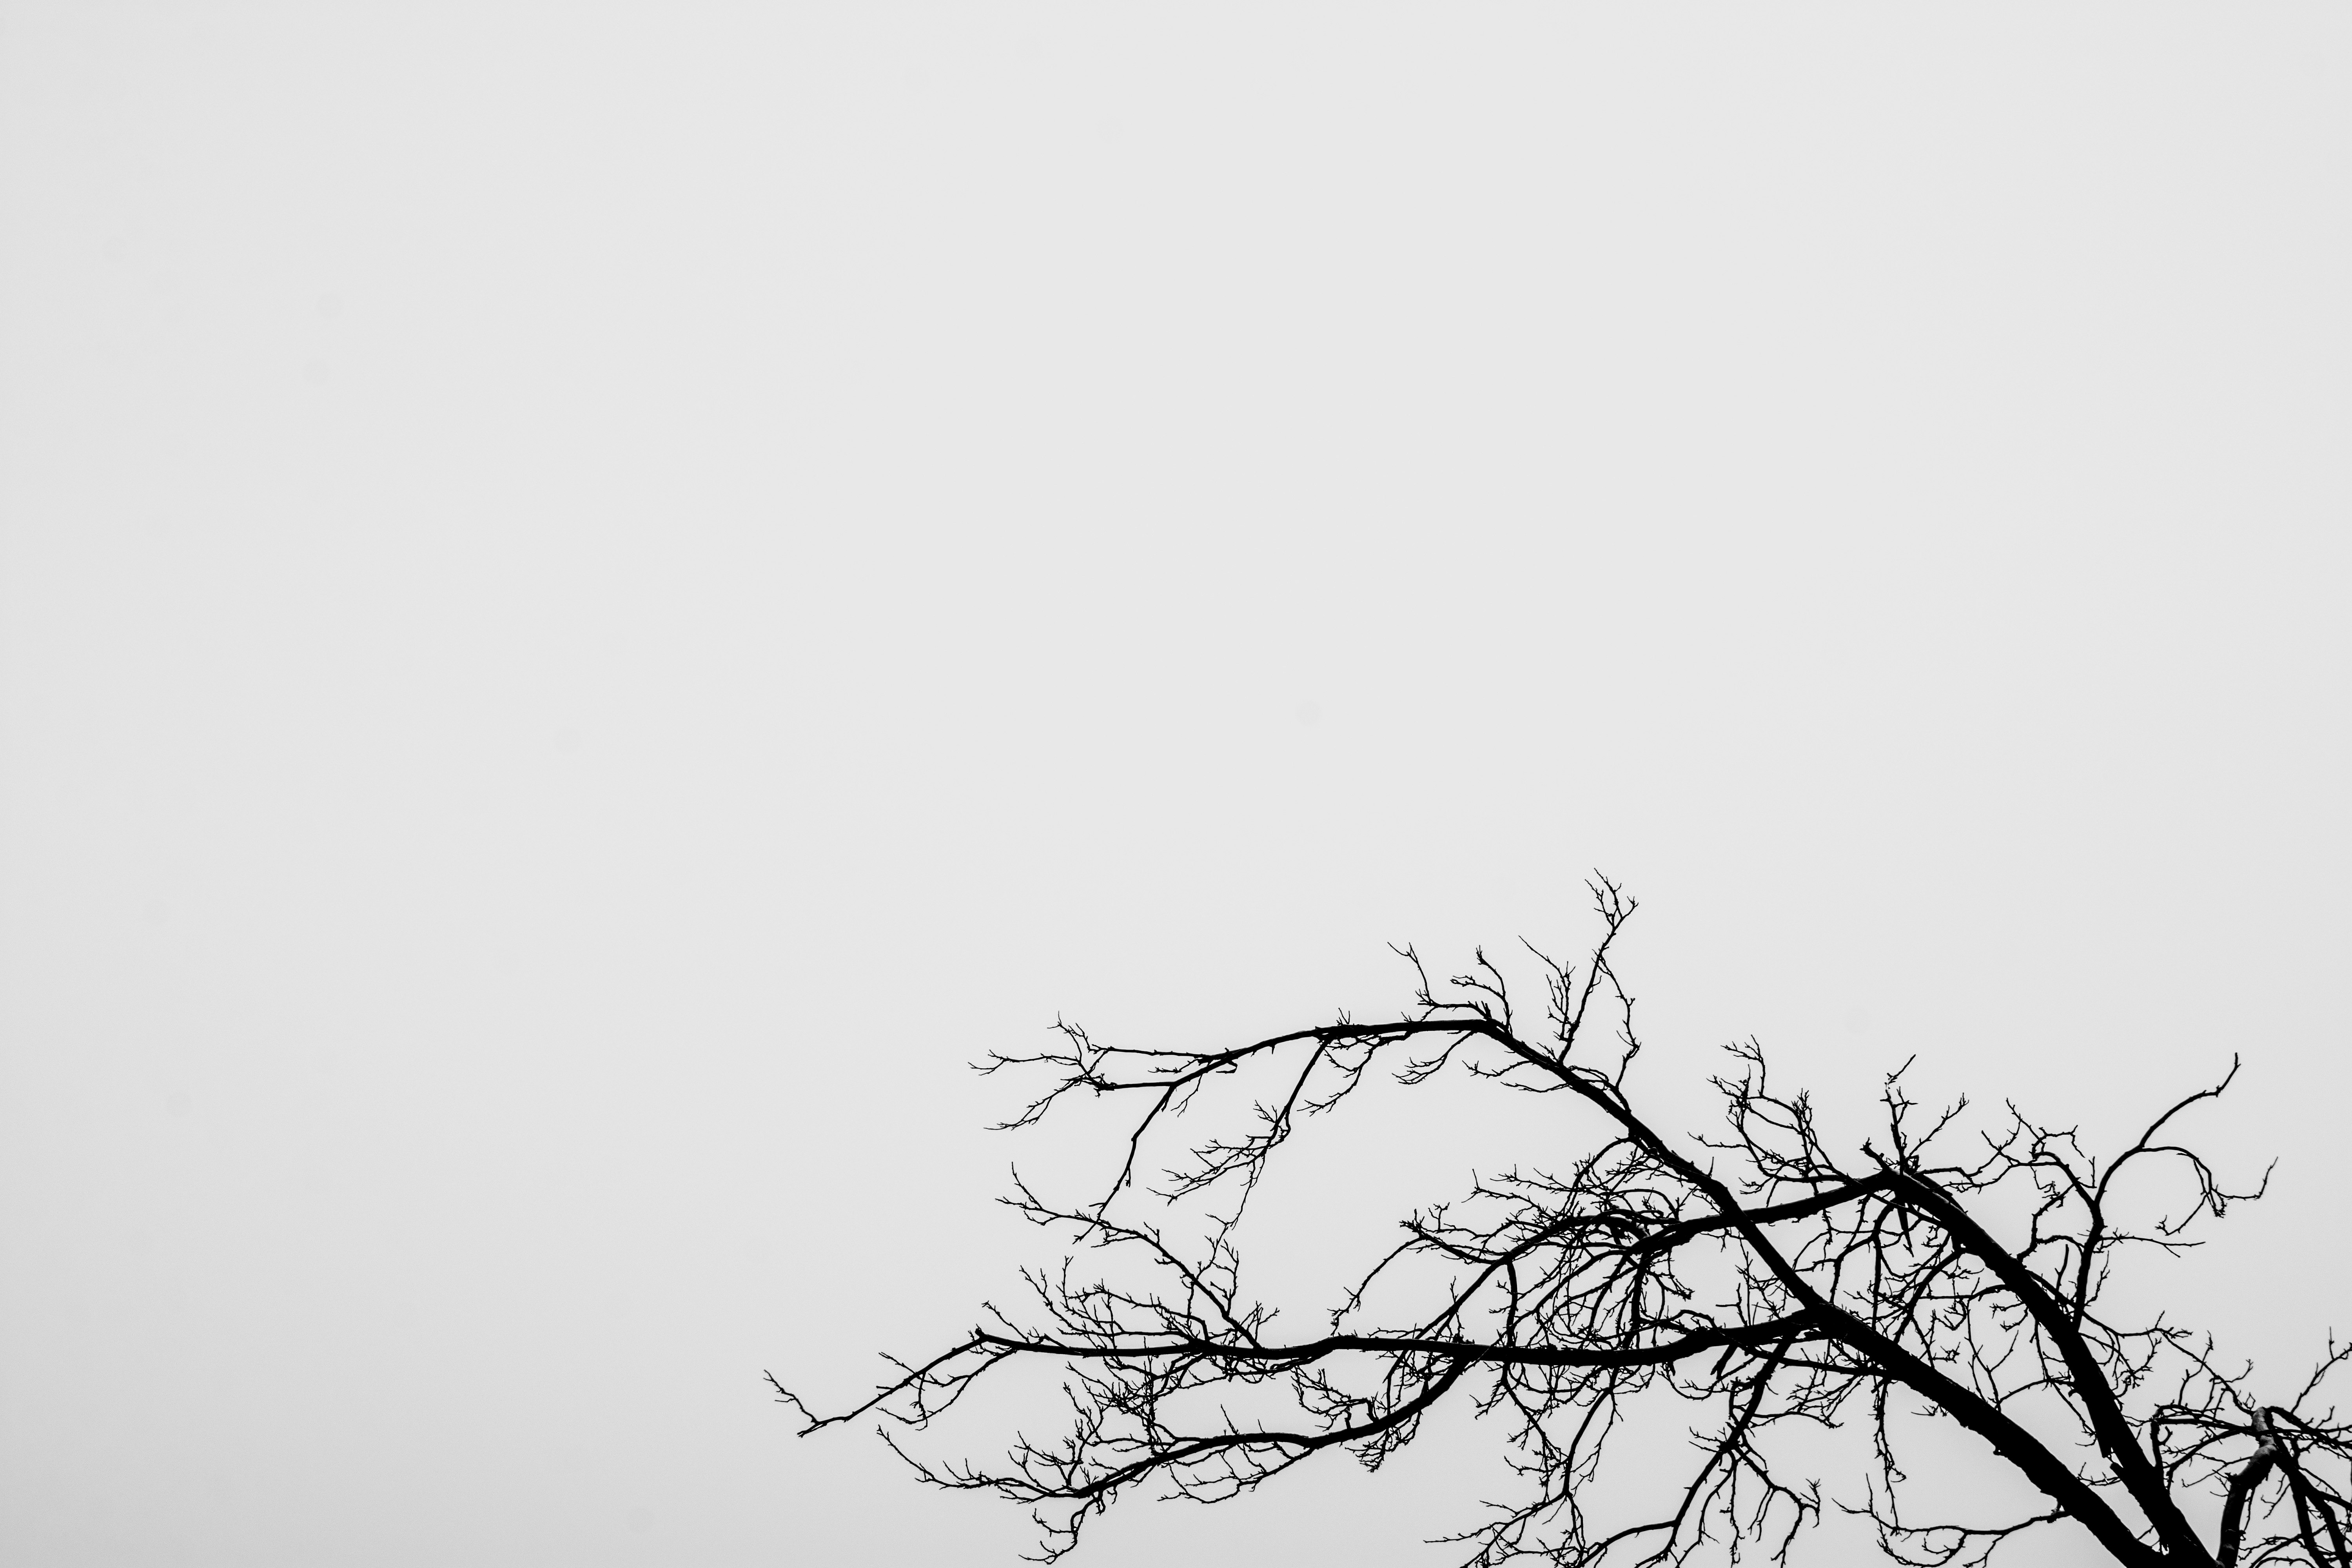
column 593, row 598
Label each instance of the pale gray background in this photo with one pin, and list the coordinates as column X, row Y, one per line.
column 593, row 597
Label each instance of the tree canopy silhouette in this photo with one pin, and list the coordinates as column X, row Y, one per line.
column 1774, row 1285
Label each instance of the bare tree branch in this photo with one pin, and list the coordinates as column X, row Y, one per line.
column 1755, row 1273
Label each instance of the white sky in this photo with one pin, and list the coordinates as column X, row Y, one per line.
column 593, row 598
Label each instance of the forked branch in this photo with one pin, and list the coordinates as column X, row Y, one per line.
column 1755, row 1273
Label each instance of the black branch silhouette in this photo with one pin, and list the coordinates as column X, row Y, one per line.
column 1755, row 1275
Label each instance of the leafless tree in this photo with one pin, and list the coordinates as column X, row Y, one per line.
column 1950, row 1267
